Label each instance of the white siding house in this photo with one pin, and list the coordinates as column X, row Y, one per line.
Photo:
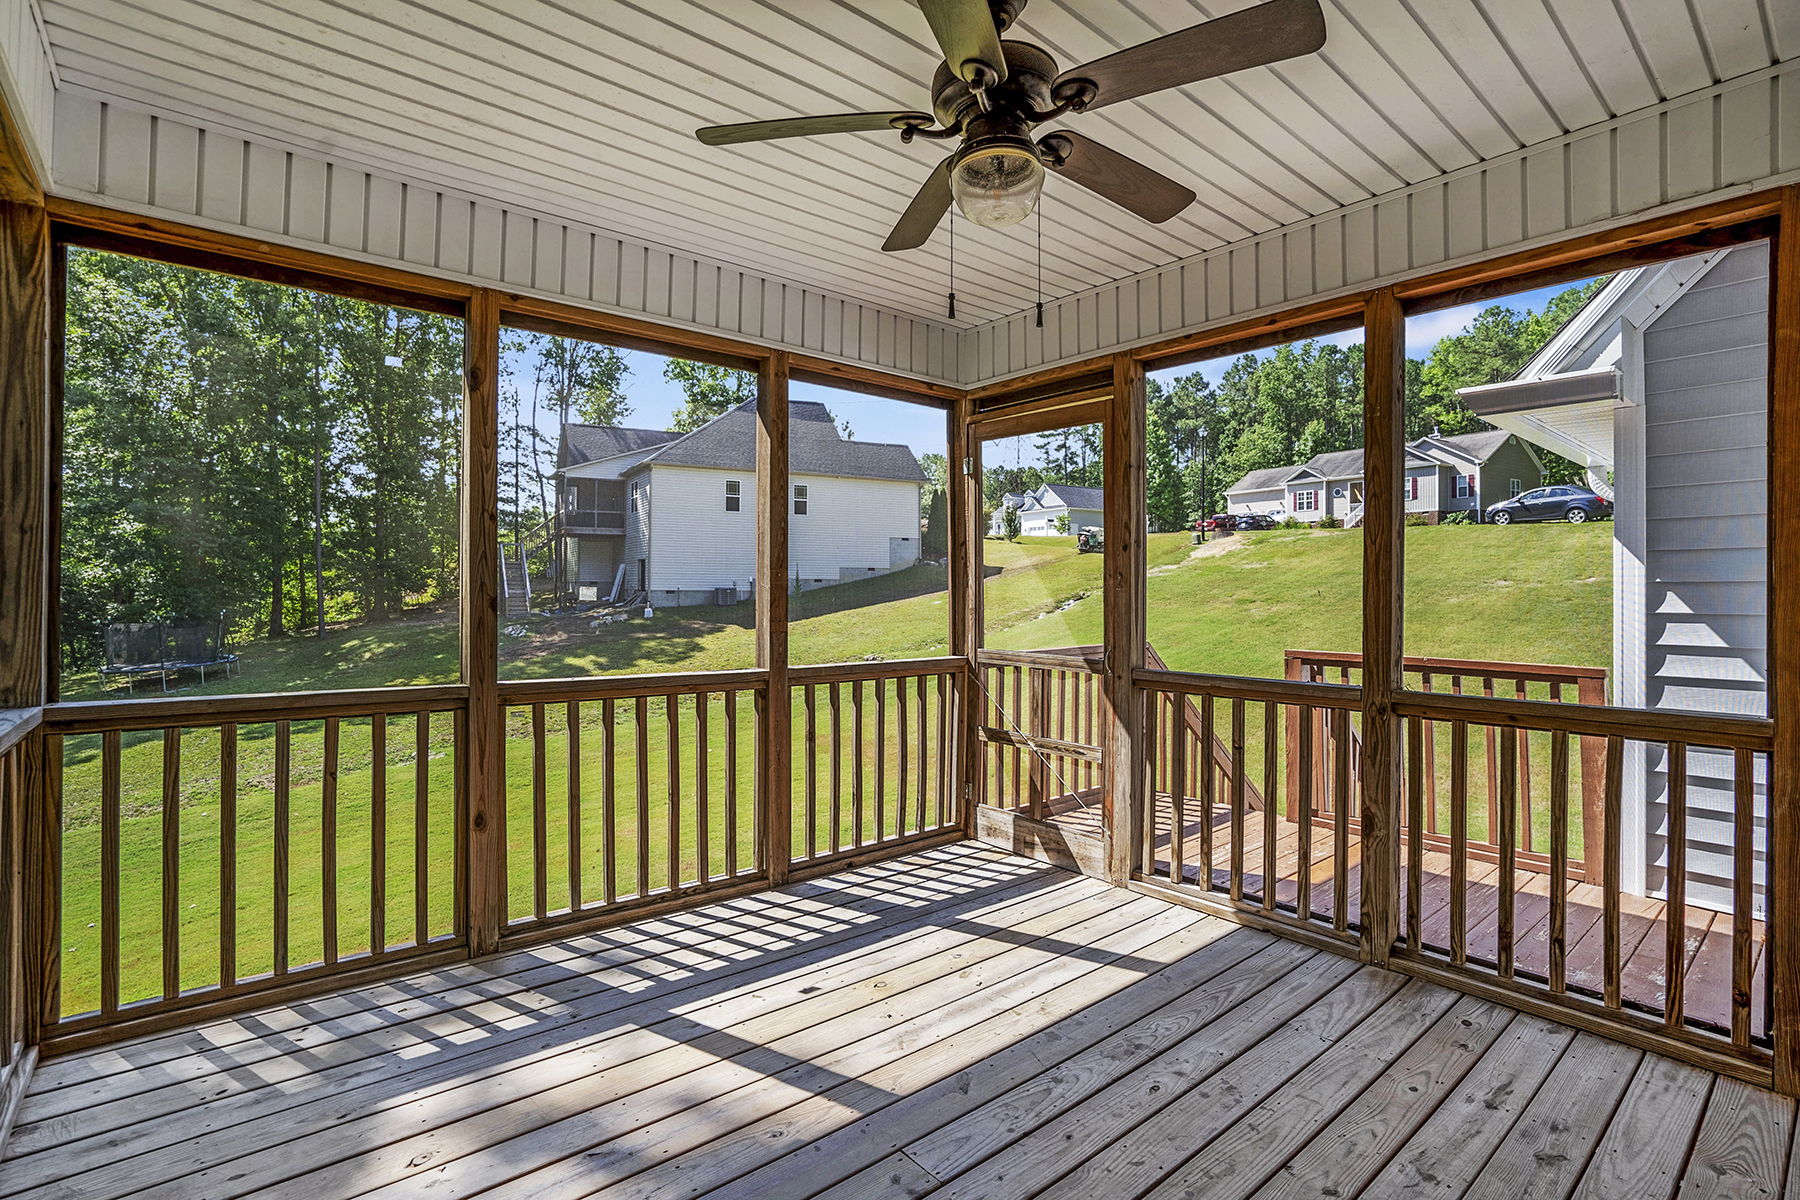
column 1661, row 383
column 1044, row 510
column 1444, row 474
column 689, row 531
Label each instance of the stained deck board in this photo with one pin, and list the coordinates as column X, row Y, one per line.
column 958, row 1022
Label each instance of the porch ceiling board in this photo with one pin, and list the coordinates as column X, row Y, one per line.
column 589, row 112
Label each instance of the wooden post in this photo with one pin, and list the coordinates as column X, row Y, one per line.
column 965, row 605
column 772, row 615
column 1784, row 648
column 1384, row 527
column 1122, row 800
column 1592, row 690
column 483, row 750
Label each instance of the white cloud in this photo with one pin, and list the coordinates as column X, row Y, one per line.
column 1426, row 330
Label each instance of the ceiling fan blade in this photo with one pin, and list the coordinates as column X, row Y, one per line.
column 786, row 127
column 1254, row 37
column 1125, row 181
column 966, row 33
column 923, row 214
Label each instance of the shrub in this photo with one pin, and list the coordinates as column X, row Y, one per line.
column 1328, row 521
column 1457, row 518
column 1290, row 523
column 1415, row 520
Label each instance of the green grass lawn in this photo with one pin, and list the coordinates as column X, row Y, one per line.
column 1533, row 593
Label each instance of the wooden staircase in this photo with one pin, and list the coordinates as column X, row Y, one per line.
column 515, row 588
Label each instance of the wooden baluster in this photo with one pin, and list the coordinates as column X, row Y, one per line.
column 1415, row 833
column 540, row 817
column 1342, row 804
column 109, row 871
column 328, row 838
column 1559, row 861
column 948, row 805
column 1675, row 909
column 1038, row 722
column 1493, row 765
column 1153, row 781
column 572, row 802
column 1526, row 833
column 283, row 830
column 920, row 690
column 609, row 828
column 1177, row 764
column 837, row 766
column 1509, row 840
column 1609, row 916
column 881, row 687
column 422, row 826
column 672, row 767
column 730, row 714
column 1307, row 777
column 642, row 715
column 1429, row 737
column 1271, row 804
column 1238, row 797
column 902, row 757
column 1743, row 894
column 812, row 774
column 378, row 802
column 856, row 763
column 702, row 802
column 1590, row 690
column 228, row 788
column 1459, row 841
column 171, row 862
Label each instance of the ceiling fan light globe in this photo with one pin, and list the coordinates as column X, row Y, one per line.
column 998, row 186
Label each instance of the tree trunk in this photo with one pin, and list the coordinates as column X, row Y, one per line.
column 277, row 598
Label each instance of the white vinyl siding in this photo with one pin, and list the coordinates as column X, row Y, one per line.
column 1703, row 611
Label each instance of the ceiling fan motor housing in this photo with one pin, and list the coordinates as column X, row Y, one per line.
column 1026, row 89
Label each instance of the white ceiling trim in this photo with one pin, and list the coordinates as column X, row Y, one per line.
column 130, row 158
column 1724, row 140
column 28, row 78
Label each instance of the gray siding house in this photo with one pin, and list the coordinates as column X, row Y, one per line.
column 1461, row 473
column 1659, row 386
column 1042, row 509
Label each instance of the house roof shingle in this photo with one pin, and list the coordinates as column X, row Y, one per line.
column 1477, row 447
column 1348, row 464
column 815, row 447
column 1071, row 496
column 585, row 443
column 1263, row 480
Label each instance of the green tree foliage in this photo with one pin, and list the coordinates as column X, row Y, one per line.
column 937, row 470
column 235, row 446
column 1010, row 527
column 707, row 390
column 936, row 542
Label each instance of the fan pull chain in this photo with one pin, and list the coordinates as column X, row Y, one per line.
column 951, row 315
column 1040, row 262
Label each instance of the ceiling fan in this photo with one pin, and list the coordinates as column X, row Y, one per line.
column 992, row 93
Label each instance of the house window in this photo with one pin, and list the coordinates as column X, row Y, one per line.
column 799, row 499
column 1465, row 486
column 1412, row 487
column 1306, row 501
column 734, row 495
column 1513, row 488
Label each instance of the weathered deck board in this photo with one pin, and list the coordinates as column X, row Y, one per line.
column 959, row 1022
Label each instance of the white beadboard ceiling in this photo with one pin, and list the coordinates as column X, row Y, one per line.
column 585, row 109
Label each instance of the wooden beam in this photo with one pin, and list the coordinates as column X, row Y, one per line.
column 1784, row 647
column 1383, row 673
column 24, row 455
column 19, row 181
column 482, row 759
column 966, row 533
column 1126, row 524
column 776, row 782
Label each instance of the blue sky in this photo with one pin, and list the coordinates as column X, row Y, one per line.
column 654, row 399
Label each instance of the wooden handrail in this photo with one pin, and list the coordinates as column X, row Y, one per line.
column 100, row 716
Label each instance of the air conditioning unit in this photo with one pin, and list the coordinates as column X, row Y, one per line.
column 725, row 595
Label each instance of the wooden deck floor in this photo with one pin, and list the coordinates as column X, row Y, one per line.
column 1643, row 974
column 956, row 1023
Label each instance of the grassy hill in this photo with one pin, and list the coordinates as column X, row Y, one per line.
column 1534, row 593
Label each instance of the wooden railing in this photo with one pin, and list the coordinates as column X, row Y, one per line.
column 1039, row 729
column 1466, row 677
column 216, row 851
column 18, row 741
column 875, row 762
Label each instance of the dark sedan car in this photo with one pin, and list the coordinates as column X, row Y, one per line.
column 1255, row 521
column 1563, row 502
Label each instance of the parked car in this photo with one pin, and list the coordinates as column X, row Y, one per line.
column 1255, row 521
column 1220, row 523
column 1563, row 502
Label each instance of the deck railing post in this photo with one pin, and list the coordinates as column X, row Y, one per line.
column 1784, row 649
column 964, row 503
column 1384, row 397
column 1123, row 800
column 775, row 780
column 481, row 758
